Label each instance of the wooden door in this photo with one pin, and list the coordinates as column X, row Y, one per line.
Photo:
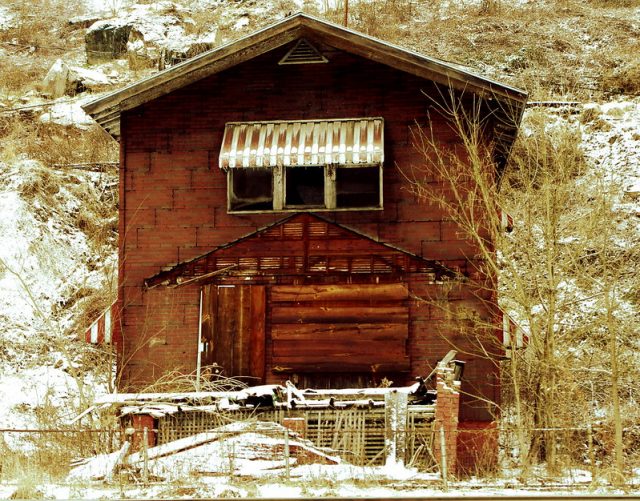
column 233, row 330
column 328, row 329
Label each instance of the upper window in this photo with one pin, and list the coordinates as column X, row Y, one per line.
column 319, row 165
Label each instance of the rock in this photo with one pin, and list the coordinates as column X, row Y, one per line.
column 178, row 50
column 64, row 80
column 106, row 40
column 147, row 37
column 90, row 79
column 59, row 81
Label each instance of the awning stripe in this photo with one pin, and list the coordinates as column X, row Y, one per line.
column 357, row 141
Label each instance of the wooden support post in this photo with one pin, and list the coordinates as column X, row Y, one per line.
column 396, row 426
column 443, row 459
column 446, row 419
column 286, row 454
column 145, row 455
column 199, row 344
column 124, row 450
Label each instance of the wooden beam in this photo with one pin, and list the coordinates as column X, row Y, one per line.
column 306, row 366
column 333, row 332
column 335, row 314
column 370, row 292
column 258, row 338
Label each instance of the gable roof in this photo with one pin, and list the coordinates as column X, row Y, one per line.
column 107, row 109
column 299, row 244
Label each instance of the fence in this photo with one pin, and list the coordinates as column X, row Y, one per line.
column 580, row 452
column 358, row 435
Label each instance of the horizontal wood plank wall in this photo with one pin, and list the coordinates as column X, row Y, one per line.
column 339, row 328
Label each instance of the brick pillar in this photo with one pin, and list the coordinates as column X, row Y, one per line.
column 139, row 423
column 296, row 424
column 447, row 409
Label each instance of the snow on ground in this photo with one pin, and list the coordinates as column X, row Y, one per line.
column 24, row 392
column 67, row 111
column 40, row 250
column 44, row 266
column 6, row 17
column 612, row 141
column 105, row 7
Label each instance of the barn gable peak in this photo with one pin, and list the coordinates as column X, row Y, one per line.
column 303, row 52
column 303, row 27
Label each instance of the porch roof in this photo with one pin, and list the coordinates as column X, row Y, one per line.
column 349, row 141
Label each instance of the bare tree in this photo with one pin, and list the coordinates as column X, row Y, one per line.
column 557, row 268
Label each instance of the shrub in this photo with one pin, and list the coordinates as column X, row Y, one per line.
column 624, row 79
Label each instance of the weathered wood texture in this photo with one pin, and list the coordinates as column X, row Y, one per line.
column 334, row 328
column 301, row 244
column 173, row 209
column 233, row 330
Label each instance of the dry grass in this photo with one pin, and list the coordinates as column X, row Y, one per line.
column 565, row 49
column 381, row 18
column 38, row 35
column 176, row 381
column 25, row 136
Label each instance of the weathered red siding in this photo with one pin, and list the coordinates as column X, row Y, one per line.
column 173, row 198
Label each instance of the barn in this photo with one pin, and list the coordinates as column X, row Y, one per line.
column 268, row 230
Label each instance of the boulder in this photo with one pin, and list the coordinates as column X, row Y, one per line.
column 59, row 81
column 63, row 80
column 106, row 40
column 148, row 37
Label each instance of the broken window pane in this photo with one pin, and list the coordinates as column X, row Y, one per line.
column 251, row 189
column 357, row 187
column 304, row 186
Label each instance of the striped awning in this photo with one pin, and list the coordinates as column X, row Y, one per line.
column 358, row 141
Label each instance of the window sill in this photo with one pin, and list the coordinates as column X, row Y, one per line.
column 304, row 209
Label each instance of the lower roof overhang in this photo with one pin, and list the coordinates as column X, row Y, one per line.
column 301, row 244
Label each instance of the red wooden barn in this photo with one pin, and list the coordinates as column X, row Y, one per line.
column 266, row 228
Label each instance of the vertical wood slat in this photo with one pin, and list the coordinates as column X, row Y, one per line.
column 234, row 330
column 242, row 344
column 209, row 308
column 257, row 336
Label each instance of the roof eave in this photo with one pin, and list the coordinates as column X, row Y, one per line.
column 107, row 109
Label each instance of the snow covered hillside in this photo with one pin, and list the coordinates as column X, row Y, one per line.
column 50, row 269
column 58, row 181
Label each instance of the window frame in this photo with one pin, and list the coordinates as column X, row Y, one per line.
column 330, row 194
column 231, row 194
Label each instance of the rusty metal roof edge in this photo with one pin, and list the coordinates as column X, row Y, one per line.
column 298, row 20
column 303, row 121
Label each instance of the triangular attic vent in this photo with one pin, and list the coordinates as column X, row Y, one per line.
column 303, row 53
